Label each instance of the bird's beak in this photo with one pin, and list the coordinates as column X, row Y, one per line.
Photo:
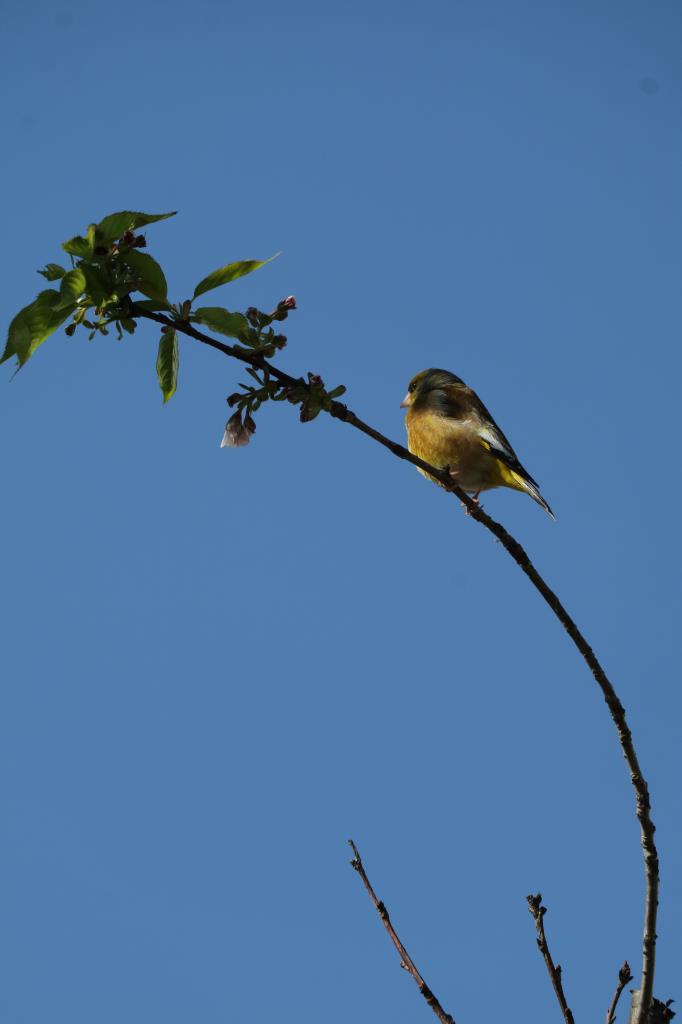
column 406, row 401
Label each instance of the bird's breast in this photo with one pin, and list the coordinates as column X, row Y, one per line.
column 444, row 441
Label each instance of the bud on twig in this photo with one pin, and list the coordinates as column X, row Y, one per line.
column 236, row 433
column 283, row 308
column 625, row 974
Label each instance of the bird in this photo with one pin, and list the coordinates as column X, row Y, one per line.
column 448, row 425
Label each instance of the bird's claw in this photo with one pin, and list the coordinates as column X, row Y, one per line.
column 475, row 501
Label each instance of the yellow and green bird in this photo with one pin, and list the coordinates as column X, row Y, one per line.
column 448, row 425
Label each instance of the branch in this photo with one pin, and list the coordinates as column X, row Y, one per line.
column 554, row 970
column 659, row 1012
column 405, row 959
column 642, row 804
column 624, row 976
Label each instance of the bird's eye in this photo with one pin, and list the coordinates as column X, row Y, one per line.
column 412, row 387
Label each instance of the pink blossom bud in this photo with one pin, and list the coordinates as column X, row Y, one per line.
column 283, row 308
column 236, row 434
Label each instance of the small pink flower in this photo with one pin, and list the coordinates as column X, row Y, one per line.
column 236, row 433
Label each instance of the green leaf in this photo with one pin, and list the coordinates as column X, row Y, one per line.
column 229, row 273
column 33, row 324
column 52, row 272
column 233, row 325
column 78, row 246
column 116, row 224
column 99, row 285
column 152, row 279
column 167, row 363
column 72, row 287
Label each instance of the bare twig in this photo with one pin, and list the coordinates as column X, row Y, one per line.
column 642, row 803
column 405, row 959
column 624, row 976
column 554, row 970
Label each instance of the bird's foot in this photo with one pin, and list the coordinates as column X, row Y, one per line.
column 475, row 501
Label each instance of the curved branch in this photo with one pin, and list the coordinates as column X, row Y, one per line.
column 642, row 803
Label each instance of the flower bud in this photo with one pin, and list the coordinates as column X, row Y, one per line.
column 283, row 308
column 236, row 434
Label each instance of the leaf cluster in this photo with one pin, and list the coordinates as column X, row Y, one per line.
column 107, row 268
column 111, row 283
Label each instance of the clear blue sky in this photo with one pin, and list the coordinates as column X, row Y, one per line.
column 218, row 665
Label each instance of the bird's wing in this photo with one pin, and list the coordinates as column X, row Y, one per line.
column 493, row 439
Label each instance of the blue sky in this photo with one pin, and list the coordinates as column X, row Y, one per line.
column 219, row 665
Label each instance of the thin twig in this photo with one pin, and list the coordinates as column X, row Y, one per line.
column 554, row 970
column 624, row 976
column 405, row 958
column 642, row 803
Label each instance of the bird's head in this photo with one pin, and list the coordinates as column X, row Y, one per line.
column 424, row 389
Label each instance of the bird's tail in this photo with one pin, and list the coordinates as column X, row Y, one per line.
column 527, row 484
